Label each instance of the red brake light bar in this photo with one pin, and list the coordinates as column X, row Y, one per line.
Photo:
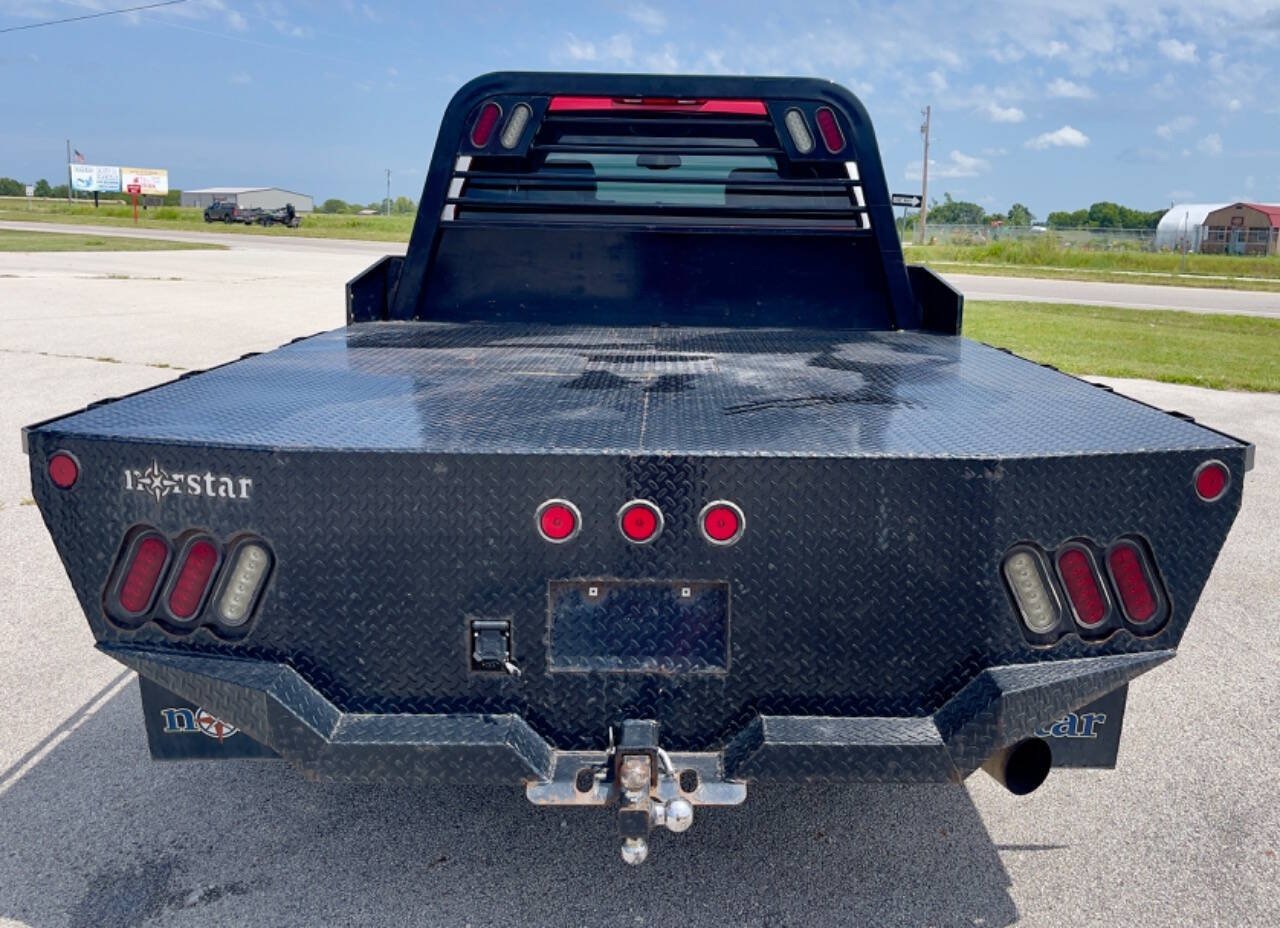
column 657, row 105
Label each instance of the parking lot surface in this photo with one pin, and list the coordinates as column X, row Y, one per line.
column 1186, row 831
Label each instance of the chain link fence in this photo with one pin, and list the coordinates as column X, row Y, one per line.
column 1088, row 239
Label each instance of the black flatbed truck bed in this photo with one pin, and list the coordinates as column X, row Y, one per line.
column 411, row 614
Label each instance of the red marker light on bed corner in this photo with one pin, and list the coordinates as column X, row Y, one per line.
column 63, row 470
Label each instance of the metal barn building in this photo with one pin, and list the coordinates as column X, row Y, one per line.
column 248, row 198
column 1182, row 228
column 1243, row 229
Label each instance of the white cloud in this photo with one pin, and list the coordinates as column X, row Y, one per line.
column 957, row 164
column 236, row 21
column 240, row 77
column 1066, row 137
column 1171, row 128
column 1234, row 105
column 997, row 113
column 1211, row 144
column 937, row 80
column 663, row 62
column 649, row 17
column 1061, row 87
column 1184, row 52
column 617, row 48
column 1055, row 48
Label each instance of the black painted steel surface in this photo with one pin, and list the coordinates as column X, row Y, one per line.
column 883, row 476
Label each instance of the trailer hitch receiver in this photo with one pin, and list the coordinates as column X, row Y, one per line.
column 650, row 787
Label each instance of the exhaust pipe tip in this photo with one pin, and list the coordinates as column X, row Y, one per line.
column 1022, row 767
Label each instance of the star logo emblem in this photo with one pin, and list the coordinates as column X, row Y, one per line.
column 156, row 481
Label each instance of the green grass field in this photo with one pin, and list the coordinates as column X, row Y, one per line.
column 1047, row 257
column 395, row 228
column 66, row 241
column 1219, row 351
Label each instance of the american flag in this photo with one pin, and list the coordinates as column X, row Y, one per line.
column 79, row 157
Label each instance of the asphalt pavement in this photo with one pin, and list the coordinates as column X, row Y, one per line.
column 1186, row 831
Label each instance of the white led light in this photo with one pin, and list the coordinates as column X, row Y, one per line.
column 799, row 129
column 246, row 576
column 516, row 122
column 1039, row 609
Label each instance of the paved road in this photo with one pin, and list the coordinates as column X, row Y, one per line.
column 92, row 833
column 974, row 286
column 1098, row 293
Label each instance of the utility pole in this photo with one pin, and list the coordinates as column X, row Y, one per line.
column 68, row 170
column 388, row 191
column 924, row 174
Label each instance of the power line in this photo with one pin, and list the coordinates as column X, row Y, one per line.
column 76, row 19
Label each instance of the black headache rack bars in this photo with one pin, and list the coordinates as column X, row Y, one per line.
column 640, row 199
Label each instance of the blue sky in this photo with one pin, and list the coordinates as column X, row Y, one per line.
column 1056, row 104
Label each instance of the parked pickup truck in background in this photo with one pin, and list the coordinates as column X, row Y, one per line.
column 225, row 211
column 649, row 472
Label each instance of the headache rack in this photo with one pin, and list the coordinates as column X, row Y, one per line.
column 554, row 198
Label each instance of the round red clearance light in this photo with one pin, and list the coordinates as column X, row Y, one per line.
column 640, row 521
column 482, row 131
column 722, row 522
column 63, row 470
column 1212, row 478
column 558, row 520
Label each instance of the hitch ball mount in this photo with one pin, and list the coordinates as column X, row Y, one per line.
column 651, row 788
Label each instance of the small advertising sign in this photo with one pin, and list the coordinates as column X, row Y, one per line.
column 95, row 178
column 152, row 182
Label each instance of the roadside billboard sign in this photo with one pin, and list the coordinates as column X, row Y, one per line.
column 152, row 182
column 95, row 178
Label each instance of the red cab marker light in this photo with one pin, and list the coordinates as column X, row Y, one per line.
column 640, row 521
column 1088, row 602
column 63, row 470
column 722, row 522
column 577, row 104
column 143, row 574
column 193, row 579
column 482, row 131
column 558, row 520
column 829, row 128
column 1133, row 584
column 1212, row 479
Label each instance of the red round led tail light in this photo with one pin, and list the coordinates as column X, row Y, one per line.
column 1134, row 581
column 558, row 521
column 64, row 471
column 1212, row 479
column 722, row 522
column 1079, row 578
column 640, row 521
column 197, row 565
column 138, row 575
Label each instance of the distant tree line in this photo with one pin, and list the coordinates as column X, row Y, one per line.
column 398, row 205
column 1101, row 215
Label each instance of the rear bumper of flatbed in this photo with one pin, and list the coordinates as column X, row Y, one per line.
column 273, row 705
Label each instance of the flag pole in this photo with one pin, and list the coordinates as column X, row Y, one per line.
column 68, row 170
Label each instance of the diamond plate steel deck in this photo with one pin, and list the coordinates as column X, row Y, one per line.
column 525, row 389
